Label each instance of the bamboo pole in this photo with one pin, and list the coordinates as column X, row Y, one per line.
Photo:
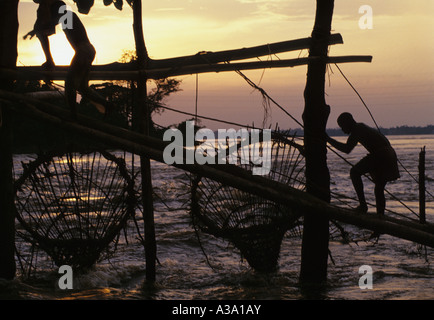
column 143, row 121
column 116, row 72
column 284, row 63
column 422, row 210
column 236, row 177
column 207, row 57
column 46, row 94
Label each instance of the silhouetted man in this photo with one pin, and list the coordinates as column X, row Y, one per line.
column 381, row 162
column 49, row 15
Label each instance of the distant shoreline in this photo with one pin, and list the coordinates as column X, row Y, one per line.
column 401, row 130
column 394, row 131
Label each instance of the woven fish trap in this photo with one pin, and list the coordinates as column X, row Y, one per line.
column 73, row 205
column 254, row 225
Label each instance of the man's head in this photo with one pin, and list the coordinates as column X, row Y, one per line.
column 346, row 122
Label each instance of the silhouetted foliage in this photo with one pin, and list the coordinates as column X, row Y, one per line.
column 33, row 136
column 84, row 6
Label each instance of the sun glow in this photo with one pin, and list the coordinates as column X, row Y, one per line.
column 207, row 25
column 32, row 53
column 61, row 50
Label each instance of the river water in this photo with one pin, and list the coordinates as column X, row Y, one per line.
column 401, row 269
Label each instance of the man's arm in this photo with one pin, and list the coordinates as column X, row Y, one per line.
column 344, row 147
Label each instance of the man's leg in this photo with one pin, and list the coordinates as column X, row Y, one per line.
column 45, row 44
column 98, row 101
column 71, row 94
column 379, row 197
column 356, row 178
column 356, row 173
column 77, row 76
column 380, row 201
column 84, row 60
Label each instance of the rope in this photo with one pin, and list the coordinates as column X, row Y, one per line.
column 266, row 95
column 197, row 94
column 360, row 97
column 223, row 121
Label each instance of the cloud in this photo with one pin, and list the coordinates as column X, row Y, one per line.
column 169, row 9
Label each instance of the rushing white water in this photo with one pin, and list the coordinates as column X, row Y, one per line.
column 400, row 270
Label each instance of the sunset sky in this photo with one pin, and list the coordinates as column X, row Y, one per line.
column 398, row 86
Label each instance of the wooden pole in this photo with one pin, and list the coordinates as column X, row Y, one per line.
column 215, row 67
column 422, row 213
column 143, row 122
column 123, row 71
column 8, row 58
column 207, row 57
column 314, row 255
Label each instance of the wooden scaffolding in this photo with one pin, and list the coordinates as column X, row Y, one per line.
column 315, row 204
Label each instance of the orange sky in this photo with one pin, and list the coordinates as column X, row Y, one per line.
column 397, row 86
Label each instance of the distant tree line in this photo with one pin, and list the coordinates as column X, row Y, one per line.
column 399, row 130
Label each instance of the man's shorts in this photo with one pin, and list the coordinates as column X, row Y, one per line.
column 382, row 166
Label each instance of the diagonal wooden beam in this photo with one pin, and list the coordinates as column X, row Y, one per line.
column 235, row 177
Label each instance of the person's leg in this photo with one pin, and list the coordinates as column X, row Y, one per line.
column 48, row 65
column 72, row 83
column 87, row 54
column 71, row 94
column 98, row 101
column 356, row 173
column 356, row 178
column 77, row 80
column 379, row 197
column 380, row 201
